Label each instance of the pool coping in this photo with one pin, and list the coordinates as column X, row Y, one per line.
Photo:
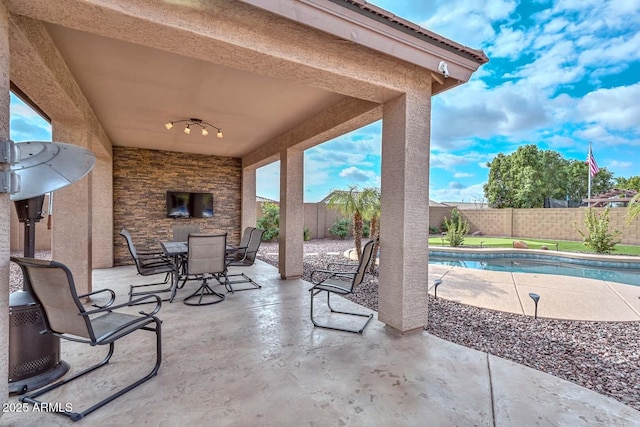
column 594, row 260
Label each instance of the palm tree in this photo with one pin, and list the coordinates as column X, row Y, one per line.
column 351, row 202
column 633, row 209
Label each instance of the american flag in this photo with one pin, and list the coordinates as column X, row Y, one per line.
column 593, row 165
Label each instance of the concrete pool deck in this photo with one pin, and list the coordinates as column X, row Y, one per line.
column 561, row 297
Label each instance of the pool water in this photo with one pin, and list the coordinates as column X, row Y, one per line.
column 630, row 276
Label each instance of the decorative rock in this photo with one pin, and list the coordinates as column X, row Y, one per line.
column 519, row 244
column 477, row 233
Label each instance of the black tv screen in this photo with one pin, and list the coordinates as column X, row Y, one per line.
column 202, row 205
column 182, row 204
column 178, row 204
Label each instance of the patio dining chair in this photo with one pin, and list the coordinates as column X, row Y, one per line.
column 181, row 234
column 66, row 317
column 341, row 279
column 151, row 263
column 207, row 260
column 245, row 257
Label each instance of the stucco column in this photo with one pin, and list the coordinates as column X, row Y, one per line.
column 291, row 213
column 71, row 241
column 5, row 211
column 248, row 198
column 404, row 230
column 102, row 211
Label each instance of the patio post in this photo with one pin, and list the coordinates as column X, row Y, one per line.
column 248, row 198
column 71, row 233
column 405, row 210
column 5, row 210
column 291, row 213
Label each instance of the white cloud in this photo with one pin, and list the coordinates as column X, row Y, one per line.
column 468, row 21
column 360, row 177
column 615, row 164
column 617, row 108
column 508, row 44
column 462, row 175
column 473, row 194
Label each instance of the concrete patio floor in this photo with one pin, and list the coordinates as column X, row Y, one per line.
column 255, row 359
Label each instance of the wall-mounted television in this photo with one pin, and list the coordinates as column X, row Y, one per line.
column 183, row 204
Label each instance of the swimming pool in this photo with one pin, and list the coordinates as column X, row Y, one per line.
column 611, row 271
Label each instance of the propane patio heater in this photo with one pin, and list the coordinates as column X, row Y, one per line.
column 34, row 358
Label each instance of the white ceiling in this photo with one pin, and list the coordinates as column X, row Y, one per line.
column 134, row 90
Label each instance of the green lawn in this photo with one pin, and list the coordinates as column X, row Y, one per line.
column 507, row 242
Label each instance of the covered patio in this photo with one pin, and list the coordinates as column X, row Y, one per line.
column 256, row 359
column 277, row 77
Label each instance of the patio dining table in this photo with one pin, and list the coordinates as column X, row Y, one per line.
column 179, row 251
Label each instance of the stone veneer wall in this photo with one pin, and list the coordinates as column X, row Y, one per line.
column 141, row 179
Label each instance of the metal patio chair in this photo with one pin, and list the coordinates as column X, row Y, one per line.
column 65, row 316
column 245, row 257
column 341, row 279
column 207, row 260
column 151, row 263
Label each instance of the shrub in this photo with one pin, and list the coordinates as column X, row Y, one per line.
column 306, row 234
column 366, row 229
column 340, row 228
column 270, row 221
column 598, row 238
column 434, row 230
column 457, row 228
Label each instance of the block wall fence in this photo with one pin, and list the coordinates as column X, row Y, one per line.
column 552, row 224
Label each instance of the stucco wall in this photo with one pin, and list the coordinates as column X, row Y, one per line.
column 43, row 234
column 141, row 179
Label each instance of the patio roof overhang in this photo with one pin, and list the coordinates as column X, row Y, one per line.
column 256, row 69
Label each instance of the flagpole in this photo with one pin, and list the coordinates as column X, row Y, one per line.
column 589, row 173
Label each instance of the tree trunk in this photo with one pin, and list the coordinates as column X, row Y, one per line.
column 357, row 232
column 374, row 234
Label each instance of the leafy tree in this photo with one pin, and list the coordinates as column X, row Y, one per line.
column 598, row 238
column 354, row 203
column 631, row 183
column 524, row 178
column 269, row 221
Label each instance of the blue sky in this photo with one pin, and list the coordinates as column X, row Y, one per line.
column 561, row 73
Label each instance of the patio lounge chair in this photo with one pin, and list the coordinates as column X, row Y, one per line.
column 245, row 257
column 207, row 260
column 65, row 316
column 341, row 279
column 150, row 263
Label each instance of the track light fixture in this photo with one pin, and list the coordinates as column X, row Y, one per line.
column 195, row 122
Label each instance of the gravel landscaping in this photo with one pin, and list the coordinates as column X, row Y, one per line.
column 601, row 356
